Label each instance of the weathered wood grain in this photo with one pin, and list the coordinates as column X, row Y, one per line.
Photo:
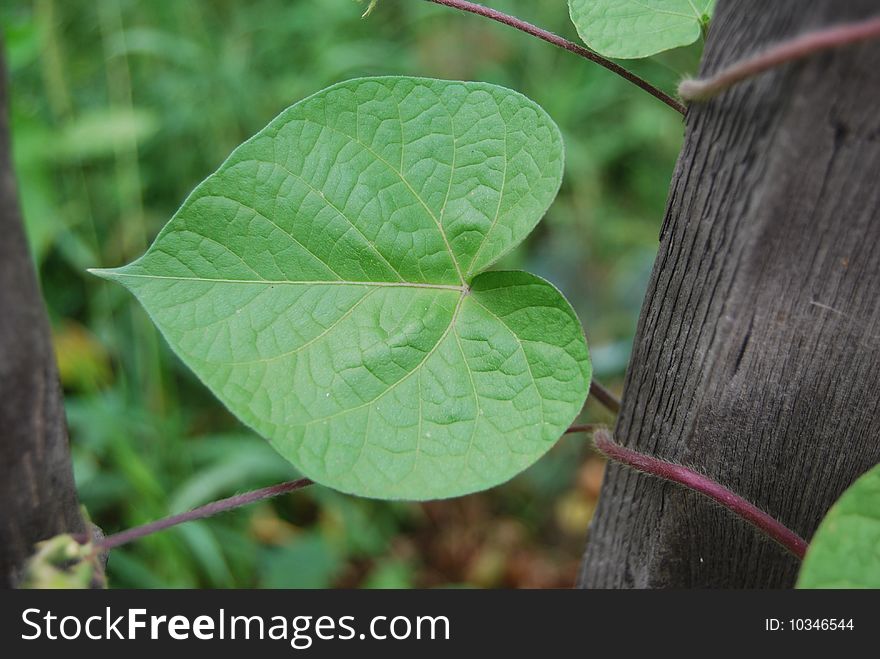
column 36, row 479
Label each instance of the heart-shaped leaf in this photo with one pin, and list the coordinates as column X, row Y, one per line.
column 324, row 283
column 629, row 29
column 845, row 551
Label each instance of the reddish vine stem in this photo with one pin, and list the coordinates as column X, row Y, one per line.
column 602, row 438
column 741, row 507
column 556, row 40
column 605, row 397
column 583, row 427
column 788, row 51
column 201, row 512
column 230, row 503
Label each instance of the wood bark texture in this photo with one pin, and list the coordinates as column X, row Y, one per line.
column 36, row 477
column 757, row 353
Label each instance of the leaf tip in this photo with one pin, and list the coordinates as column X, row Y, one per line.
column 105, row 273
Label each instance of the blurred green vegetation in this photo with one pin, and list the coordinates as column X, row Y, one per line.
column 120, row 107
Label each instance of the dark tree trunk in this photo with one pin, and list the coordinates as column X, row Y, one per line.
column 757, row 355
column 36, row 479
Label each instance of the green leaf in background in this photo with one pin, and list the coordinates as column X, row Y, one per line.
column 307, row 562
column 629, row 29
column 845, row 551
column 100, row 133
column 327, row 284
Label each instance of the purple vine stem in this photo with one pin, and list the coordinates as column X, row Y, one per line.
column 704, row 485
column 583, row 427
column 605, row 397
column 797, row 48
column 230, row 503
column 556, row 40
column 124, row 537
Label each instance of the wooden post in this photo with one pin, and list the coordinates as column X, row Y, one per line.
column 36, row 479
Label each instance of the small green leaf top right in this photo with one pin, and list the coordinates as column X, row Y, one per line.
column 631, row 29
column 845, row 552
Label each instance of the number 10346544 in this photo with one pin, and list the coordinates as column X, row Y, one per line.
column 809, row 624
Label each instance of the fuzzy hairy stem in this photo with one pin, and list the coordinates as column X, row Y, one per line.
column 605, row 397
column 230, row 503
column 802, row 46
column 697, row 482
column 583, row 427
column 556, row 40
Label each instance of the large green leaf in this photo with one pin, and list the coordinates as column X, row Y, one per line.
column 324, row 283
column 629, row 29
column 845, row 552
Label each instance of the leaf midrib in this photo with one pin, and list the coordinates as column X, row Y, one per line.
column 281, row 282
column 405, row 181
